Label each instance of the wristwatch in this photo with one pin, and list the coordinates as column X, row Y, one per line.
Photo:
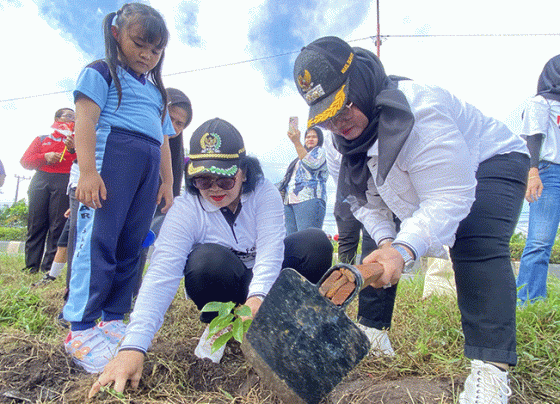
column 408, row 259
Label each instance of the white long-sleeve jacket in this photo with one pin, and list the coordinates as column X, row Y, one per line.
column 543, row 116
column 258, row 233
column 431, row 186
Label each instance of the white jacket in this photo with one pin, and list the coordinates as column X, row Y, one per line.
column 543, row 116
column 431, row 186
column 259, row 235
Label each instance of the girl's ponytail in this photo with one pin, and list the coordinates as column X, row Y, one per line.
column 156, row 78
column 112, row 51
column 155, row 27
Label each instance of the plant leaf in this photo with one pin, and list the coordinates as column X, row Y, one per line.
column 237, row 329
column 212, row 306
column 219, row 323
column 226, row 308
column 225, row 393
column 244, row 311
column 221, row 341
column 214, row 326
column 246, row 324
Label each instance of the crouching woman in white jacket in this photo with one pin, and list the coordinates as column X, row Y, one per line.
column 225, row 237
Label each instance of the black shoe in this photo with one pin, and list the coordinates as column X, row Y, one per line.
column 31, row 270
column 45, row 280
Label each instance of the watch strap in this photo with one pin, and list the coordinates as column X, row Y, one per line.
column 407, row 257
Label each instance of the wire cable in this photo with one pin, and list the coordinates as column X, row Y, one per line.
column 374, row 37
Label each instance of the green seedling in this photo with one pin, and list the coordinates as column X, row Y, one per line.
column 110, row 391
column 229, row 317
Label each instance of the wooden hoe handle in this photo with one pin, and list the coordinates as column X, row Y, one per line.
column 341, row 283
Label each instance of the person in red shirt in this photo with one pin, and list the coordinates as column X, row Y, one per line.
column 51, row 156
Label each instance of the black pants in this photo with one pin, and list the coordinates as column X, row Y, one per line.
column 486, row 292
column 349, row 229
column 47, row 203
column 72, row 236
column 155, row 226
column 213, row 273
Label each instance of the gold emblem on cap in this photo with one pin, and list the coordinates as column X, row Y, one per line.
column 305, row 81
column 210, row 143
column 331, row 110
column 194, row 170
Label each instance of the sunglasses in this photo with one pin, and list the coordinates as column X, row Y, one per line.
column 204, row 183
column 68, row 115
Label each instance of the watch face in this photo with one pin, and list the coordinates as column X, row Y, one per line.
column 408, row 266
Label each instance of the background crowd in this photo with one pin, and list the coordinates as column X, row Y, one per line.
column 416, row 170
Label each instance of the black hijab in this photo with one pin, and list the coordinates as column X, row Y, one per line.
column 549, row 80
column 390, row 121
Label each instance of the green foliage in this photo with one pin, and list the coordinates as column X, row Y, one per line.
column 22, row 307
column 15, row 215
column 517, row 244
column 229, row 317
column 13, row 233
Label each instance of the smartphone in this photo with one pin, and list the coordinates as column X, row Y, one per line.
column 293, row 123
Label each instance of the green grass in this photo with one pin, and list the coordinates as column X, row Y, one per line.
column 426, row 336
column 21, row 307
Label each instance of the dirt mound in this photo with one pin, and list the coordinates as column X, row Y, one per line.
column 31, row 371
column 405, row 390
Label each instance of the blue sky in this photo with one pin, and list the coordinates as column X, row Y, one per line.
column 286, row 26
column 213, row 42
column 277, row 27
column 81, row 19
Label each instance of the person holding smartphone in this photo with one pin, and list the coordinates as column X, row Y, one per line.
column 304, row 184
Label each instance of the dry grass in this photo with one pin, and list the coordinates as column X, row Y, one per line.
column 426, row 335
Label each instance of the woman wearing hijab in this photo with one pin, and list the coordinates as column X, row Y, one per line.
column 540, row 128
column 451, row 176
column 305, row 182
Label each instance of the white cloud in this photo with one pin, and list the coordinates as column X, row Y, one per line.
column 37, row 61
column 494, row 73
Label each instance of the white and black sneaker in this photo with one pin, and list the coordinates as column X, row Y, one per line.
column 485, row 385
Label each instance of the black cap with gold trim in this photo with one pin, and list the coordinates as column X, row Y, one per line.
column 321, row 73
column 215, row 148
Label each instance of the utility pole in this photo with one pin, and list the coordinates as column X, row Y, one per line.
column 378, row 40
column 19, row 178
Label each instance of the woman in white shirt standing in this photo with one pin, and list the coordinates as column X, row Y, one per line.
column 451, row 175
column 225, row 236
column 541, row 128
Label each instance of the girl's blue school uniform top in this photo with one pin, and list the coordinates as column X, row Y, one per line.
column 143, row 115
column 128, row 159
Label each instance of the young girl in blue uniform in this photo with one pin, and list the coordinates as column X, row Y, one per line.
column 121, row 137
